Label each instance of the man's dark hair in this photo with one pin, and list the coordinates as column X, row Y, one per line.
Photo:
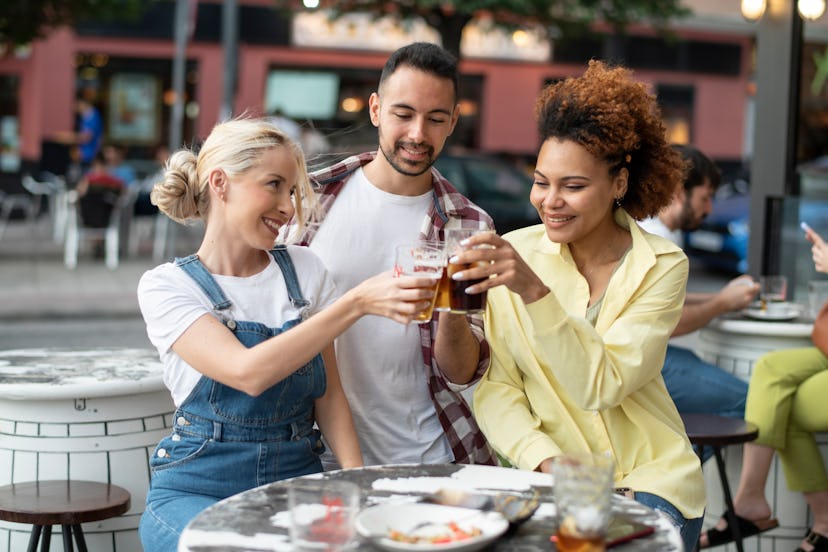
column 699, row 168
column 425, row 57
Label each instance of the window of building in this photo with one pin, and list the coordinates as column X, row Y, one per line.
column 334, row 101
column 135, row 97
column 302, row 94
column 676, row 103
column 654, row 53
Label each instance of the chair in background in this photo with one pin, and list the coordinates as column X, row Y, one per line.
column 29, row 198
column 67, row 503
column 96, row 215
column 11, row 202
column 52, row 188
column 718, row 432
column 20, row 194
column 142, row 220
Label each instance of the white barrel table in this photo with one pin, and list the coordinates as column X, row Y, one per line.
column 91, row 414
column 734, row 344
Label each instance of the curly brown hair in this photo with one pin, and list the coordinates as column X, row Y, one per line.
column 618, row 121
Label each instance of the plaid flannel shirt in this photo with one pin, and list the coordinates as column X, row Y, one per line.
column 465, row 438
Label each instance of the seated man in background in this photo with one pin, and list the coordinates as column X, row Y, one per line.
column 100, row 179
column 115, row 159
column 697, row 386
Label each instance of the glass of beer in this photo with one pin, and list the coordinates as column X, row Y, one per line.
column 773, row 290
column 443, row 300
column 455, row 290
column 424, row 259
column 582, row 490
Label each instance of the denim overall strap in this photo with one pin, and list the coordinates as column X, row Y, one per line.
column 225, row 441
column 294, row 290
column 278, row 407
column 200, row 275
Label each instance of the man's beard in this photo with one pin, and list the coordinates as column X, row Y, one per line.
column 687, row 219
column 398, row 166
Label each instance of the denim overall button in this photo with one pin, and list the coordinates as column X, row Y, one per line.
column 182, row 421
column 231, row 324
column 176, row 437
column 162, row 453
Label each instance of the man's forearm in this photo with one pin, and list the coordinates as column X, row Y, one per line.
column 697, row 315
column 456, row 348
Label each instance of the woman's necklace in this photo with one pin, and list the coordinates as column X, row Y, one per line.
column 606, row 255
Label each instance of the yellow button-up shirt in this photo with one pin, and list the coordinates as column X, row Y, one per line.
column 556, row 384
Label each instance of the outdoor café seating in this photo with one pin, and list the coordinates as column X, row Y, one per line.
column 717, row 432
column 67, row 503
column 94, row 216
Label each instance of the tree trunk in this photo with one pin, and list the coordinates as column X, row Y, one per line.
column 450, row 27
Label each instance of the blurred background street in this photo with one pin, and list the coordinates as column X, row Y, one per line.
column 42, row 303
column 144, row 78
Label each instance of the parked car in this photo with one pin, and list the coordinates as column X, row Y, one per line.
column 721, row 242
column 496, row 185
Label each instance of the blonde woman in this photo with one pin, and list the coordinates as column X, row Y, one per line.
column 245, row 330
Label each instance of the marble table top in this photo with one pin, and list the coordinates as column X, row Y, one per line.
column 747, row 322
column 258, row 519
column 58, row 373
column 798, row 327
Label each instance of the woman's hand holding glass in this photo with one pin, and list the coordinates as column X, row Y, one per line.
column 400, row 298
column 499, row 263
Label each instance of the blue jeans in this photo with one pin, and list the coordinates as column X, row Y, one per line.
column 224, row 441
column 690, row 529
column 697, row 386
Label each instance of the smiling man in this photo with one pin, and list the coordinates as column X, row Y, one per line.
column 402, row 381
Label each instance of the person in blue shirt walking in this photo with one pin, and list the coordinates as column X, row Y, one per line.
column 245, row 329
column 90, row 131
column 85, row 141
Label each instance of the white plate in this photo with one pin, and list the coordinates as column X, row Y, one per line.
column 788, row 311
column 375, row 522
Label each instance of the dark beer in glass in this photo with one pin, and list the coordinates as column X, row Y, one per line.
column 459, row 300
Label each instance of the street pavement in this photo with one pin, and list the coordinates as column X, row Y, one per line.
column 35, row 284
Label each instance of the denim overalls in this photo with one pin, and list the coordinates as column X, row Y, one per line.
column 225, row 441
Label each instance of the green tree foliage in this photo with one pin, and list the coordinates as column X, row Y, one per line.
column 556, row 17
column 22, row 21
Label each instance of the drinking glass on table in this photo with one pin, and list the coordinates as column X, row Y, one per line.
column 424, row 259
column 817, row 296
column 582, row 490
column 773, row 290
column 455, row 290
column 323, row 514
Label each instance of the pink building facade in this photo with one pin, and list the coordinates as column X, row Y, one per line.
column 41, row 83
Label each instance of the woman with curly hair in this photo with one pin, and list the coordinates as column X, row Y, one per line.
column 580, row 307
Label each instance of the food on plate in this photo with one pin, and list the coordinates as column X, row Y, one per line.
column 446, row 533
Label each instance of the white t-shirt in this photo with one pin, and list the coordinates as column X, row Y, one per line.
column 380, row 361
column 171, row 301
column 653, row 225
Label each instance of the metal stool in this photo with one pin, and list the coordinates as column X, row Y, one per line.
column 717, row 432
column 66, row 503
